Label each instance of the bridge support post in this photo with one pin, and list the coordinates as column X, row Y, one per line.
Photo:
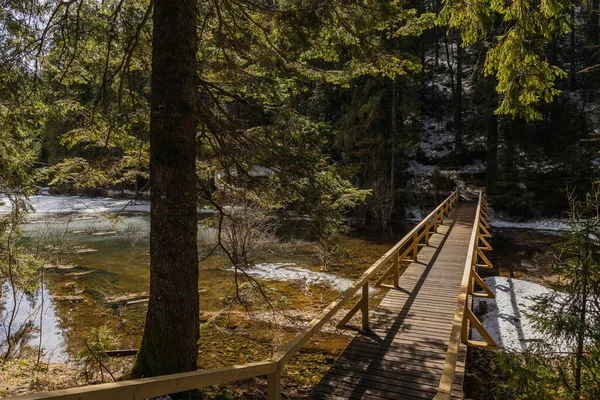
column 365, row 306
column 415, row 245
column 274, row 385
column 396, row 270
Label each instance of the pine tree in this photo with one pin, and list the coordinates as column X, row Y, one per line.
column 570, row 314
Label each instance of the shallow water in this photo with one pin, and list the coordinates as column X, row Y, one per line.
column 40, row 310
column 110, row 258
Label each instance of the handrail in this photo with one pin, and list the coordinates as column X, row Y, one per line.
column 283, row 355
column 464, row 315
column 173, row 383
column 143, row 388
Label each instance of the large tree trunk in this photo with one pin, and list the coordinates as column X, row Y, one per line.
column 171, row 333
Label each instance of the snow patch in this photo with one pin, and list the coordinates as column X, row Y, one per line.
column 477, row 166
column 420, row 169
column 436, row 142
column 283, row 272
column 65, row 205
column 414, row 214
column 538, row 224
column 506, row 320
column 44, row 204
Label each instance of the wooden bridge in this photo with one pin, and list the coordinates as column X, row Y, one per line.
column 413, row 346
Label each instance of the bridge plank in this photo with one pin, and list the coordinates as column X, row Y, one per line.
column 402, row 356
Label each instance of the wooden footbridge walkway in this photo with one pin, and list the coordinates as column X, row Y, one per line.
column 413, row 346
column 403, row 353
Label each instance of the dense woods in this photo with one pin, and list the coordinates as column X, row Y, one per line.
column 338, row 112
column 372, row 102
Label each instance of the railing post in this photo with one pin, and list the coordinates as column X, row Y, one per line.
column 274, row 385
column 365, row 306
column 465, row 322
column 396, row 269
column 415, row 246
column 427, row 232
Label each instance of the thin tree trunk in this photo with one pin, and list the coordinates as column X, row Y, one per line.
column 595, row 22
column 13, row 286
column 511, row 135
column 393, row 152
column 171, row 332
column 39, row 350
column 436, row 64
column 572, row 66
column 492, row 141
column 582, row 323
column 449, row 65
column 458, row 98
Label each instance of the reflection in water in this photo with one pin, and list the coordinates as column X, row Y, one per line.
column 110, row 258
column 27, row 311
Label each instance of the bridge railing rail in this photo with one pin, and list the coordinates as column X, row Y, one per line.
column 144, row 388
column 464, row 318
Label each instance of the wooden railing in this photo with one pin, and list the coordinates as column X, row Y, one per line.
column 464, row 318
column 174, row 383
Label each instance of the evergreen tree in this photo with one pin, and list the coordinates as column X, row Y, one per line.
column 172, row 320
column 517, row 56
column 570, row 314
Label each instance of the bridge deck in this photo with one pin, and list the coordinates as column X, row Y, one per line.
column 403, row 355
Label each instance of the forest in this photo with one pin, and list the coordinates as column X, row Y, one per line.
column 186, row 185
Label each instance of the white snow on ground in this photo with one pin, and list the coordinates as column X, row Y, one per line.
column 45, row 204
column 436, row 141
column 477, row 166
column 117, row 192
column 283, row 272
column 506, row 320
column 414, row 214
column 538, row 224
column 50, row 204
column 420, row 169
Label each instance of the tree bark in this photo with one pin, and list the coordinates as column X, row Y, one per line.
column 595, row 22
column 492, row 141
column 582, row 320
column 171, row 333
column 458, row 146
column 393, row 150
column 572, row 51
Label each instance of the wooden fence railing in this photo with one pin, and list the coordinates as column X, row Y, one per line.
column 138, row 389
column 464, row 318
